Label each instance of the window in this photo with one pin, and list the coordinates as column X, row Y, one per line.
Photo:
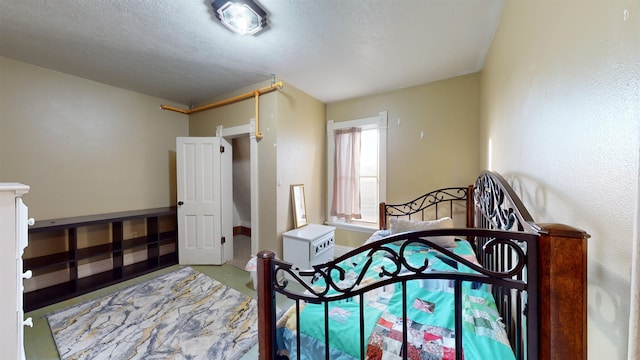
column 369, row 198
column 370, row 172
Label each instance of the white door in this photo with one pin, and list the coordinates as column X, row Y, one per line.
column 204, row 179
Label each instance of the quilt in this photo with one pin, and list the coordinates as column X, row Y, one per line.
column 430, row 315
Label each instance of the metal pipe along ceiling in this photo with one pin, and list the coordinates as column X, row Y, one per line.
column 252, row 94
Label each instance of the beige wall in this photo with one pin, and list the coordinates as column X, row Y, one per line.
column 84, row 147
column 560, row 99
column 291, row 151
column 301, row 155
column 447, row 113
column 239, row 114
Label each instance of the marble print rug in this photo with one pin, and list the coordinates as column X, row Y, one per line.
column 181, row 315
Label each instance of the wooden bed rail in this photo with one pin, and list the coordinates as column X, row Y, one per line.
column 470, row 207
column 266, row 306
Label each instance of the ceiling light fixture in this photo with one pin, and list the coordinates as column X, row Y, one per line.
column 244, row 17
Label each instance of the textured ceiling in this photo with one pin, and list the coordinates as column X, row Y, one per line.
column 177, row 50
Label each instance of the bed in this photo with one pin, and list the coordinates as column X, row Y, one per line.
column 458, row 273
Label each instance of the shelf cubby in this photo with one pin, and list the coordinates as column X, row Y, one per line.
column 90, row 251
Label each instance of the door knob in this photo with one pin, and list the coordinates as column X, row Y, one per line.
column 180, row 202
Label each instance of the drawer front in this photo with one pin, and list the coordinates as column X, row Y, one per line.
column 321, row 246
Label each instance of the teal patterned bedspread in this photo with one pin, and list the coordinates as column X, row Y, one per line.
column 430, row 315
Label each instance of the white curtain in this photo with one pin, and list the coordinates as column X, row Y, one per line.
column 346, row 178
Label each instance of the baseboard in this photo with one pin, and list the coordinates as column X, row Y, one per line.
column 339, row 250
column 242, row 230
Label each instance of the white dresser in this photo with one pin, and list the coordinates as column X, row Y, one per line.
column 309, row 245
column 14, row 223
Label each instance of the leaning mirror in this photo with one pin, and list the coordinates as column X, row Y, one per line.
column 299, row 206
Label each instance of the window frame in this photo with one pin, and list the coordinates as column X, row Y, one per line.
column 375, row 122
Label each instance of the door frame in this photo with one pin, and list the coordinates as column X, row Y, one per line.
column 242, row 131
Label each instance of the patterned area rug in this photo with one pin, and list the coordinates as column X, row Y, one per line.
column 181, row 315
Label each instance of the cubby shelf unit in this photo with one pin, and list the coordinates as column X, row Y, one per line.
column 113, row 251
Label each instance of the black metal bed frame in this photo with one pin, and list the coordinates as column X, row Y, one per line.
column 502, row 234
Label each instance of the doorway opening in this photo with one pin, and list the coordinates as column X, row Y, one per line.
column 241, row 167
column 245, row 189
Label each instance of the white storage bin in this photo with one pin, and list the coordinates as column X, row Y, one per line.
column 251, row 268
